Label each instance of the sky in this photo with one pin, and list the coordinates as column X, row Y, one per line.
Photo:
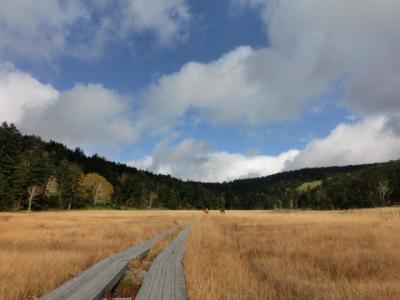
column 206, row 90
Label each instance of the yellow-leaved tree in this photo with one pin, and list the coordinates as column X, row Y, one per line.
column 97, row 188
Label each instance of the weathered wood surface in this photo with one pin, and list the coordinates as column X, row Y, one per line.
column 104, row 275
column 165, row 279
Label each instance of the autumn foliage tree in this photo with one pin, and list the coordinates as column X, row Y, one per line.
column 97, row 188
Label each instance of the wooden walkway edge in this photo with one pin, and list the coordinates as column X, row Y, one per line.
column 165, row 279
column 92, row 283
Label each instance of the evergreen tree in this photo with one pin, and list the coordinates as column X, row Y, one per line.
column 11, row 144
column 70, row 177
column 173, row 200
column 31, row 175
column 4, row 197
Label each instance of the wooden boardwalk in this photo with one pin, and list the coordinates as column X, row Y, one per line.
column 92, row 283
column 165, row 279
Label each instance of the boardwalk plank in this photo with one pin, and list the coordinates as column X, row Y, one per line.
column 92, row 283
column 165, row 279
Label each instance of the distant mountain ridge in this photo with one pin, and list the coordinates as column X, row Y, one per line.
column 40, row 175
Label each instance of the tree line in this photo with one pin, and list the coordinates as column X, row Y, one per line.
column 362, row 186
column 39, row 175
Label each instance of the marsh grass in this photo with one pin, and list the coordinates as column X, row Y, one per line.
column 39, row 251
column 304, row 255
column 239, row 255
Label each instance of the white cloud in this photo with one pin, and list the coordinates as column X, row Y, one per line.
column 393, row 125
column 20, row 94
column 45, row 29
column 167, row 18
column 355, row 41
column 196, row 161
column 315, row 46
column 244, row 86
column 86, row 114
column 374, row 139
column 316, row 49
column 37, row 28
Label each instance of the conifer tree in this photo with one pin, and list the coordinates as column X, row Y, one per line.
column 31, row 175
column 70, row 178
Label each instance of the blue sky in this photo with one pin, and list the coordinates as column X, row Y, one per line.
column 206, row 90
column 215, row 28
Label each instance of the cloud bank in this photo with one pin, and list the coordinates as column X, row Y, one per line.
column 317, row 48
column 46, row 29
column 85, row 114
column 195, row 160
column 355, row 42
column 245, row 86
column 374, row 139
column 20, row 93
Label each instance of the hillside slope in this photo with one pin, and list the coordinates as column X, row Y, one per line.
column 40, row 175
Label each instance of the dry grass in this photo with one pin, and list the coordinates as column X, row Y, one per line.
column 302, row 255
column 240, row 255
column 39, row 251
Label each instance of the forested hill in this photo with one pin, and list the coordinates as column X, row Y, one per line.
column 40, row 175
column 345, row 187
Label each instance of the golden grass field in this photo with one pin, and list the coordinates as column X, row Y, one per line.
column 301, row 255
column 239, row 255
column 39, row 251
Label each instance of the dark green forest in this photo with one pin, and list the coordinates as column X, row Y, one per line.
column 39, row 175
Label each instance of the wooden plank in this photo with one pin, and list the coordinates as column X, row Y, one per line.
column 92, row 283
column 165, row 279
